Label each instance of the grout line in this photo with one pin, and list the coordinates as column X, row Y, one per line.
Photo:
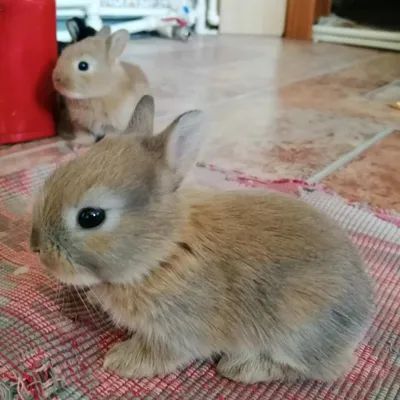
column 346, row 158
column 271, row 88
column 395, row 82
column 326, row 70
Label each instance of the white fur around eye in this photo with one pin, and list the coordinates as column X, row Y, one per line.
column 96, row 198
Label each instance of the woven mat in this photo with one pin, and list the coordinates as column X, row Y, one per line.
column 52, row 346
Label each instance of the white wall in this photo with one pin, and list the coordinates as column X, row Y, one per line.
column 264, row 17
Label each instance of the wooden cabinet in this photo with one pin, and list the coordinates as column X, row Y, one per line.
column 301, row 15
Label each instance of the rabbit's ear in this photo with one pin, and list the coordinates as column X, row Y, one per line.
column 105, row 31
column 181, row 141
column 142, row 121
column 73, row 29
column 117, row 43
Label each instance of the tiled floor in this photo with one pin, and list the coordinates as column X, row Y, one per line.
column 275, row 108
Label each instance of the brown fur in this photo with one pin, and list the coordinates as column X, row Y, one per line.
column 98, row 101
column 262, row 278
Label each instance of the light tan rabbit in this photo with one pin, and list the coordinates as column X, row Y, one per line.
column 99, row 90
column 263, row 279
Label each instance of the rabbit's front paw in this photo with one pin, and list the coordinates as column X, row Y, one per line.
column 135, row 359
column 253, row 368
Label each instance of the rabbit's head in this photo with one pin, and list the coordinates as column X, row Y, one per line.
column 111, row 214
column 90, row 68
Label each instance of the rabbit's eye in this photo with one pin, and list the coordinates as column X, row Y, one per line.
column 83, row 66
column 91, row 217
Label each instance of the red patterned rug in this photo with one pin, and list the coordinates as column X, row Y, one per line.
column 52, row 345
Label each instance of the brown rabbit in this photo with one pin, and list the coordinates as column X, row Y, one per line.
column 263, row 279
column 99, row 91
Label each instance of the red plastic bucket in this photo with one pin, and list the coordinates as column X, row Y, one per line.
column 28, row 54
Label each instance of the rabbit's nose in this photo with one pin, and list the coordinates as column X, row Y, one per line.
column 56, row 78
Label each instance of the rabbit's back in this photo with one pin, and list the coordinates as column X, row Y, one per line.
column 277, row 259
